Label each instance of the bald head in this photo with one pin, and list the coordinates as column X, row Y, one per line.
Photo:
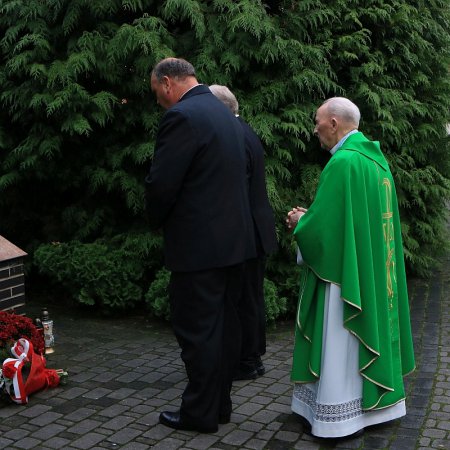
column 170, row 79
column 336, row 117
column 173, row 68
column 344, row 109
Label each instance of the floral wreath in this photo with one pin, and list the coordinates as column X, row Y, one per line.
column 22, row 364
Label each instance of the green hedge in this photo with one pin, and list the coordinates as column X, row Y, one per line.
column 78, row 121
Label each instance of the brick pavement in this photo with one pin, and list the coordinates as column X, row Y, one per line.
column 124, row 372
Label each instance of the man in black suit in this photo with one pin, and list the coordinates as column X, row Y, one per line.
column 251, row 308
column 196, row 191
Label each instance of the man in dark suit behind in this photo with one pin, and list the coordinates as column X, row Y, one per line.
column 196, row 191
column 252, row 313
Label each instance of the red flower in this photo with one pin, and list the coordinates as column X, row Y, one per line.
column 13, row 327
column 52, row 377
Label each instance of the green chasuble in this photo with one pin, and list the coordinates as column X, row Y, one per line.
column 351, row 236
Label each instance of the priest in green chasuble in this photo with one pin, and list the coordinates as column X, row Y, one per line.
column 353, row 342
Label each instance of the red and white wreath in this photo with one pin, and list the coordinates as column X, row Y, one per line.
column 26, row 372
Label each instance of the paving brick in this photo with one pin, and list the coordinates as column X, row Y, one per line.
column 168, row 444
column 97, row 393
column 134, row 446
column 439, row 415
column 443, row 425
column 255, row 444
column 88, row 440
column 251, row 426
column 45, row 419
column 265, row 435
column 124, row 436
column 424, row 442
column 7, row 411
column 248, row 409
column 102, row 402
column 80, row 414
column 262, row 400
column 202, row 441
column 114, row 410
column 302, row 445
column 442, row 399
column 129, row 377
column 73, row 392
column 34, row 411
column 265, row 416
column 274, row 425
column 170, row 394
column 6, row 443
column 441, row 444
column 287, row 436
column 57, row 443
column 278, row 389
column 48, row 431
column 29, row 427
column 104, row 377
column 434, row 433
column 84, row 426
column 27, row 442
column 16, row 434
column 122, row 393
column 82, row 377
column 118, row 422
column 374, row 442
column 280, row 406
column 142, row 409
column 158, row 433
column 237, row 437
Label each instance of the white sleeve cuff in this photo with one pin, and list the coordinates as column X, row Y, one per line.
column 299, row 257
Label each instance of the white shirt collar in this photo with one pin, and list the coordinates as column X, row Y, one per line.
column 339, row 144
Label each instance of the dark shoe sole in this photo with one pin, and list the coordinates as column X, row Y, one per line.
column 185, row 426
column 224, row 419
column 261, row 370
column 246, row 376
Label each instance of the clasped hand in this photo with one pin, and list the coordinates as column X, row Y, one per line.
column 294, row 216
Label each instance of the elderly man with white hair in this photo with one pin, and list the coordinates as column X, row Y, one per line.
column 251, row 308
column 353, row 341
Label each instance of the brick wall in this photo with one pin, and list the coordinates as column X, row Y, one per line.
column 12, row 282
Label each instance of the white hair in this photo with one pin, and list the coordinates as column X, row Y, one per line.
column 344, row 109
column 226, row 97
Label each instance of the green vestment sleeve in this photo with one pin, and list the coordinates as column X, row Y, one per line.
column 351, row 236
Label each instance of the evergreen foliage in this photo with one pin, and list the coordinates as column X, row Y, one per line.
column 276, row 305
column 78, row 121
column 157, row 296
column 95, row 274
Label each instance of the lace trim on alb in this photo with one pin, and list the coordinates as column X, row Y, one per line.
column 328, row 413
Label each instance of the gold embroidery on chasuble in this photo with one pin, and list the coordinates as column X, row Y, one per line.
column 388, row 232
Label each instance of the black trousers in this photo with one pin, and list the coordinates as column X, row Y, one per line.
column 206, row 325
column 252, row 315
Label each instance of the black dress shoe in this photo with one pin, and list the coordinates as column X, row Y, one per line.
column 224, row 418
column 250, row 374
column 261, row 370
column 241, row 375
column 174, row 420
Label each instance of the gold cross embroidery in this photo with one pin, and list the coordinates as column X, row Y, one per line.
column 388, row 231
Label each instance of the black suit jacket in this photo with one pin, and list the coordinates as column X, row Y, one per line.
column 262, row 213
column 196, row 187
